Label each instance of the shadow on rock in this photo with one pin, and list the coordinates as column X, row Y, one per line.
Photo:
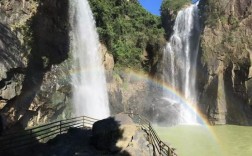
column 9, row 49
column 119, row 135
column 111, row 135
column 50, row 46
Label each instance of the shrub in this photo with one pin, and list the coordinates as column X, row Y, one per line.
column 126, row 28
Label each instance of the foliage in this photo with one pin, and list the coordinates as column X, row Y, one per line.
column 215, row 14
column 169, row 9
column 174, row 5
column 126, row 29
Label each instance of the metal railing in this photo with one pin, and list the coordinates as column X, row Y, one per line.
column 159, row 147
column 45, row 132
column 42, row 133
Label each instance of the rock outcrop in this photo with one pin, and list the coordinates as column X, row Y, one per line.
column 226, row 47
column 119, row 134
column 107, row 58
column 34, row 76
column 129, row 92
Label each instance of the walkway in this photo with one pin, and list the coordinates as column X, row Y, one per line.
column 43, row 133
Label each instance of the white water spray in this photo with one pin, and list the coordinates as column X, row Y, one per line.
column 180, row 57
column 89, row 85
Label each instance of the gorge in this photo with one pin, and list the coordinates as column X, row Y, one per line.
column 52, row 54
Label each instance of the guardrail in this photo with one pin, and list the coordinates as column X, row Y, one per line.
column 42, row 133
column 159, row 147
column 45, row 132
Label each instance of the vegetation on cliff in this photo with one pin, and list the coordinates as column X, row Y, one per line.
column 175, row 6
column 130, row 33
column 169, row 10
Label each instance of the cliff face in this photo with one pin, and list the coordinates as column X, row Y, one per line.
column 34, row 76
column 224, row 74
column 135, row 39
column 12, row 46
column 34, row 66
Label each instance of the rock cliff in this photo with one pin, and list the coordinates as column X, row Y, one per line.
column 35, row 66
column 224, row 74
column 33, row 72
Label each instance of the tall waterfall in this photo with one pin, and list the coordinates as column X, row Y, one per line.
column 179, row 62
column 89, row 85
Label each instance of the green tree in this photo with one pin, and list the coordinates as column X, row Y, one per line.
column 126, row 28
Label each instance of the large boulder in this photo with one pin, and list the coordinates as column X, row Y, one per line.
column 114, row 133
column 120, row 136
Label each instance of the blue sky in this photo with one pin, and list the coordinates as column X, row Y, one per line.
column 152, row 6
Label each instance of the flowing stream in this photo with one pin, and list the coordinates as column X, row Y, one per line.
column 89, row 84
column 180, row 56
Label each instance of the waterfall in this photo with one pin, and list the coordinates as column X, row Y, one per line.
column 179, row 60
column 88, row 81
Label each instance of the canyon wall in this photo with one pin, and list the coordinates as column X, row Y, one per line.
column 224, row 74
column 34, row 75
column 35, row 65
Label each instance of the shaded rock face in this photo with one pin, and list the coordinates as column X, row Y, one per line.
column 168, row 19
column 11, row 64
column 113, row 134
column 225, row 61
column 119, row 134
column 51, row 46
column 34, row 72
column 12, row 52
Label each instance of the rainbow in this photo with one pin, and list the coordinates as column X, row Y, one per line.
column 200, row 117
column 145, row 77
column 192, row 106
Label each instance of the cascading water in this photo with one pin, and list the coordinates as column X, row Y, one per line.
column 89, row 85
column 179, row 62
